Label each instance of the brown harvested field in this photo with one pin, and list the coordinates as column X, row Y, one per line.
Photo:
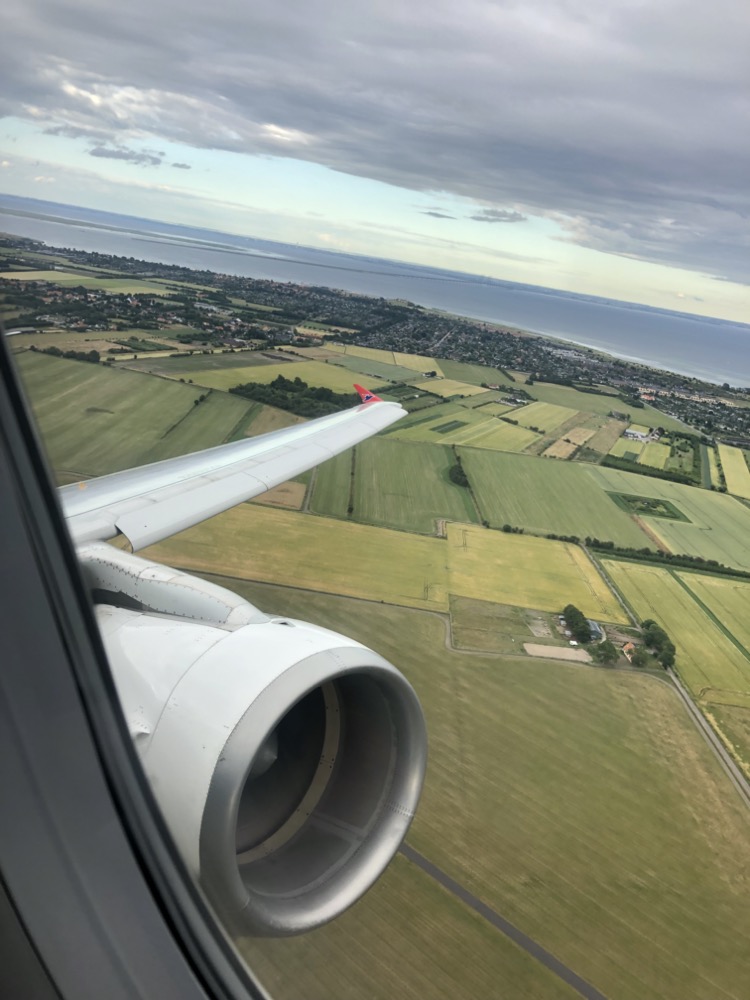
column 557, row 652
column 272, row 419
column 581, row 434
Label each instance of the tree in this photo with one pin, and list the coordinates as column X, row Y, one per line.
column 640, row 657
column 605, row 652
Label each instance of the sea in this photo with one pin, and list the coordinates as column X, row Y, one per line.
column 711, row 349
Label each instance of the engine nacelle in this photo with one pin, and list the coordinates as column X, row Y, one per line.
column 288, row 760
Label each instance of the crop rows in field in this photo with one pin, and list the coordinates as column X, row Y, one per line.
column 546, row 416
column 447, row 387
column 481, row 430
column 315, row 373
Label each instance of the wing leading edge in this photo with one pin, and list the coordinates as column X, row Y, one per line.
column 150, row 503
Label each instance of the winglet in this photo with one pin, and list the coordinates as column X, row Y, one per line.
column 366, row 396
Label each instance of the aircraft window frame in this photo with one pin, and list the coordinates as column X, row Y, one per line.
column 87, row 864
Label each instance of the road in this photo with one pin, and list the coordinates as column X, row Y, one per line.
column 528, row 944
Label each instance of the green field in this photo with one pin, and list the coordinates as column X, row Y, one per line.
column 316, row 373
column 527, row 572
column 333, row 480
column 67, row 279
column 447, row 387
column 475, row 374
column 404, row 485
column 94, row 420
column 736, row 472
column 719, row 525
column 562, row 395
column 373, row 369
column 315, row 553
column 582, row 804
column 655, row 454
column 547, row 497
column 707, row 659
column 546, row 416
column 189, row 364
column 480, row 430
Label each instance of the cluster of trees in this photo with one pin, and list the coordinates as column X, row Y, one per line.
column 615, row 462
column 509, row 529
column 91, row 356
column 575, row 621
column 457, row 475
column 297, row 396
column 654, row 637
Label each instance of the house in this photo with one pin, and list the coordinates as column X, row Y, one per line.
column 628, row 649
column 597, row 632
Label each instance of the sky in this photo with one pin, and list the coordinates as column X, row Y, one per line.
column 597, row 147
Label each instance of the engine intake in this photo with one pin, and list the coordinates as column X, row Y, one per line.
column 288, row 760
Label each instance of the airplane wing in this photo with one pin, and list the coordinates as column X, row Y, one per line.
column 155, row 501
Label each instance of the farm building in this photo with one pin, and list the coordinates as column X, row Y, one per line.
column 597, row 632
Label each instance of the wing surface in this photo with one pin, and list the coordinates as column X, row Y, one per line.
column 150, row 503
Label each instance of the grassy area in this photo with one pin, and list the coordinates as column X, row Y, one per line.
column 627, row 448
column 405, row 485
column 527, row 572
column 736, row 472
column 562, row 395
column 478, row 429
column 447, row 387
column 655, row 454
column 718, row 526
column 189, row 364
column 333, row 482
column 94, row 420
column 581, row 803
column 374, row 369
column 316, row 373
column 315, row 553
column 67, row 279
column 707, row 658
column 546, row 497
column 497, row 628
column 546, row 416
column 476, row 374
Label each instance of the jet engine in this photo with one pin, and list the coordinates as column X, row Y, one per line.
column 287, row 759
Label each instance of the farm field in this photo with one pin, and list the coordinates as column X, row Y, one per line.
column 125, row 286
column 569, row 442
column 547, row 416
column 495, row 409
column 655, row 454
column 736, row 472
column 581, row 803
column 94, row 420
column 607, row 434
column 547, row 497
column 448, row 387
column 627, row 448
column 373, row 369
column 419, row 363
column 454, row 424
column 315, row 553
column 707, row 659
column 189, row 364
column 728, row 600
column 316, row 373
column 332, row 487
column 405, row 485
column 563, row 395
column 411, row 362
column 462, row 371
column 492, row 628
column 527, row 572
column 718, row 526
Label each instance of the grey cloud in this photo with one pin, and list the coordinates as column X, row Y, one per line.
column 438, row 215
column 182, row 166
column 119, row 153
column 498, row 215
column 620, row 120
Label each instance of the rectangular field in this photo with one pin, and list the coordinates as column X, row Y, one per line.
column 527, row 572
column 315, row 553
column 372, row 369
column 569, row 442
column 655, row 454
column 476, row 374
column 546, row 416
column 405, row 485
column 478, row 430
column 333, row 485
column 447, row 387
column 627, row 448
column 736, row 472
column 543, row 496
column 315, row 373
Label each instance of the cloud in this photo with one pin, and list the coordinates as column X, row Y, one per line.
column 182, row 166
column 498, row 215
column 438, row 215
column 130, row 155
column 619, row 121
column 4, row 164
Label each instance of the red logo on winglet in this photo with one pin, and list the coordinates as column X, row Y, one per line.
column 366, row 396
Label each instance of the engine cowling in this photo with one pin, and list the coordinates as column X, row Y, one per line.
column 288, row 760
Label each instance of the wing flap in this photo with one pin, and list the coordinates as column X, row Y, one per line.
column 155, row 501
